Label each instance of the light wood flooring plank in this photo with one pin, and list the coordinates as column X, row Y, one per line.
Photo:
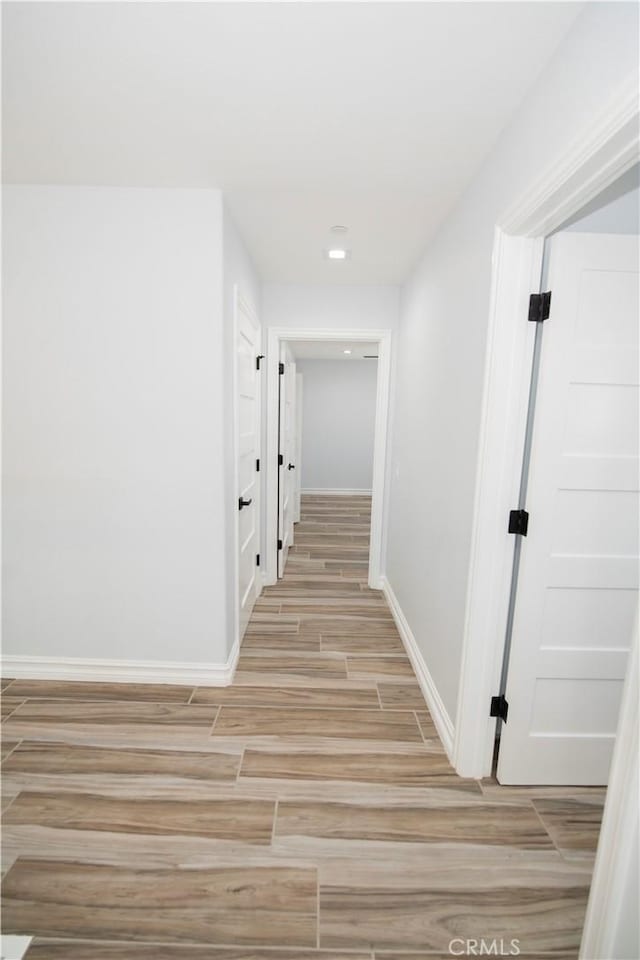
column 132, row 950
column 41, row 758
column 417, row 918
column 343, row 697
column 254, row 905
column 332, row 625
column 361, row 645
column 280, row 641
column 515, row 826
column 305, row 667
column 360, row 667
column 574, row 825
column 8, row 746
column 8, row 705
column 401, row 696
column 423, row 769
column 340, row 724
column 81, row 690
column 250, row 821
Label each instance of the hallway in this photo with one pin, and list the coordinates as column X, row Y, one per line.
column 308, row 810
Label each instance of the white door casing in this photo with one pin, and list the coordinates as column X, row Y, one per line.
column 287, row 468
column 275, row 338
column 578, row 580
column 298, row 450
column 247, row 339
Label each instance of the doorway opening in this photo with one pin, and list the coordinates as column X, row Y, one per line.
column 327, row 403
column 338, row 449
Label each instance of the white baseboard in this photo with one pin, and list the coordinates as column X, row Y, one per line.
column 122, row 671
column 437, row 709
column 337, row 492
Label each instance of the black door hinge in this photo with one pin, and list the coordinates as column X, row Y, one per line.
column 499, row 707
column 279, row 544
column 519, row 522
column 280, row 459
column 257, row 466
column 539, row 306
column 281, row 368
column 258, row 359
column 257, row 559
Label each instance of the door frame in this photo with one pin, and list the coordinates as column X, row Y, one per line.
column 239, row 300
column 608, row 148
column 275, row 336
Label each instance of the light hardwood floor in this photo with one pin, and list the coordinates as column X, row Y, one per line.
column 306, row 811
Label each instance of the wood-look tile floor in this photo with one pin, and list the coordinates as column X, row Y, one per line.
column 306, row 811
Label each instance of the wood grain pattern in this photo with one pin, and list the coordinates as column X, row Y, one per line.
column 361, row 644
column 407, row 769
column 8, row 705
column 307, row 667
column 420, row 918
column 132, row 950
column 513, row 826
column 81, row 690
column 307, row 810
column 260, row 905
column 63, row 758
column 573, row 824
column 400, row 696
column 379, row 667
column 250, row 821
column 339, row 724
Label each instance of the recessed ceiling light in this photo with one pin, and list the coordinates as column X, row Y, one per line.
column 338, row 228
column 337, row 254
column 346, row 351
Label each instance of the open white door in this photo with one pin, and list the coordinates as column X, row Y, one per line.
column 286, row 461
column 578, row 580
column 247, row 431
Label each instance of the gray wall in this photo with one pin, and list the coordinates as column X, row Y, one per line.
column 615, row 210
column 338, row 422
column 113, row 490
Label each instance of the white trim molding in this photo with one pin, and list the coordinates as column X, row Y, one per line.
column 337, row 492
column 609, row 146
column 437, row 709
column 122, row 671
column 611, row 924
column 277, row 335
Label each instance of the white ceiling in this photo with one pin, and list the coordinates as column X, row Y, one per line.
column 332, row 350
column 372, row 115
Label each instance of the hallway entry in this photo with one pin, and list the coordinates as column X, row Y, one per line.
column 307, row 810
column 328, row 437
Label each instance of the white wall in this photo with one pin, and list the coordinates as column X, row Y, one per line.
column 307, row 306
column 113, row 414
column 441, row 341
column 338, row 422
column 237, row 270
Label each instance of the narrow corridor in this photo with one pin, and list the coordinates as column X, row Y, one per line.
column 308, row 810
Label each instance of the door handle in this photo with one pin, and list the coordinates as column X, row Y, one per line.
column 291, row 466
column 243, row 503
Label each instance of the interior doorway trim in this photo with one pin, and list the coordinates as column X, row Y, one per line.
column 609, row 146
column 275, row 337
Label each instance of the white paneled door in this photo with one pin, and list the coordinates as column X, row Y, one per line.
column 286, row 460
column 247, row 401
column 578, row 579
